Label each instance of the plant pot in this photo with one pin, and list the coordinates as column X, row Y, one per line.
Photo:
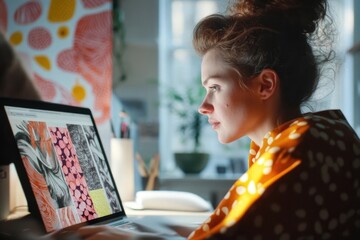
column 191, row 163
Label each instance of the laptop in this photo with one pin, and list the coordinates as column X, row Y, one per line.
column 61, row 164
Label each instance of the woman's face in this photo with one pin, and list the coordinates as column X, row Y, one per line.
column 233, row 111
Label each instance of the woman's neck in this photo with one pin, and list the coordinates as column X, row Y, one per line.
column 273, row 122
column 288, row 115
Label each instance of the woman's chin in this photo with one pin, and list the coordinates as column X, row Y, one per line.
column 223, row 140
column 227, row 139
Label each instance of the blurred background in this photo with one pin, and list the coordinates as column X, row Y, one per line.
column 158, row 54
column 132, row 61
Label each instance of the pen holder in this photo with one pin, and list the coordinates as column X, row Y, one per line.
column 5, row 192
column 150, row 183
column 122, row 166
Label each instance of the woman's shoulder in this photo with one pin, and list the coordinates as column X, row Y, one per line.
column 323, row 133
column 327, row 126
column 330, row 127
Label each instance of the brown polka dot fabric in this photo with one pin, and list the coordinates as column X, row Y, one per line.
column 303, row 182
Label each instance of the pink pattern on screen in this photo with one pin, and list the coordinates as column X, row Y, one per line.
column 73, row 173
column 66, row 216
column 27, row 13
column 42, row 196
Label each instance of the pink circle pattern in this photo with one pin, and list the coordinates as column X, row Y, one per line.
column 28, row 13
column 73, row 173
column 39, row 38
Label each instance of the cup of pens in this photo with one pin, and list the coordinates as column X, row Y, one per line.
column 149, row 175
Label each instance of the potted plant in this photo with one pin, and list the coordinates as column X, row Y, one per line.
column 184, row 103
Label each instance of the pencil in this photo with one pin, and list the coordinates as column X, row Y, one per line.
column 153, row 172
column 142, row 167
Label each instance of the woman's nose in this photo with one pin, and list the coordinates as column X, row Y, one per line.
column 205, row 107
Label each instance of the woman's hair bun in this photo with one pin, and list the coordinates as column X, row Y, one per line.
column 303, row 15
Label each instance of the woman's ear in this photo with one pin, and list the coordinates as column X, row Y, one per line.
column 268, row 83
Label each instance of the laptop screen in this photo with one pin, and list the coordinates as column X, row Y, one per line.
column 65, row 165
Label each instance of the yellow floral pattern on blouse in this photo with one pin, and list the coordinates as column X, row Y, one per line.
column 313, row 148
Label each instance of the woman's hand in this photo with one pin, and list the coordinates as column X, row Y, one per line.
column 104, row 232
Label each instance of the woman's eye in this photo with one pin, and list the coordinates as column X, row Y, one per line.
column 214, row 88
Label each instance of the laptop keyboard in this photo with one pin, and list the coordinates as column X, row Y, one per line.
column 127, row 226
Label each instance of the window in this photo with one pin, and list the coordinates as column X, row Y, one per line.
column 180, row 66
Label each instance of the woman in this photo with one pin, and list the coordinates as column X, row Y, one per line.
column 259, row 68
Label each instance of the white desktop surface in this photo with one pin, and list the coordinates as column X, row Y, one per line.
column 181, row 218
column 135, row 213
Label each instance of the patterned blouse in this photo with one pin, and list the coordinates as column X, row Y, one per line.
column 303, row 182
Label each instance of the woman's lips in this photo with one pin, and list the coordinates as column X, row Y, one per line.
column 214, row 124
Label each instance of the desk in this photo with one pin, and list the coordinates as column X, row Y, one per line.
column 181, row 218
column 21, row 221
column 133, row 213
